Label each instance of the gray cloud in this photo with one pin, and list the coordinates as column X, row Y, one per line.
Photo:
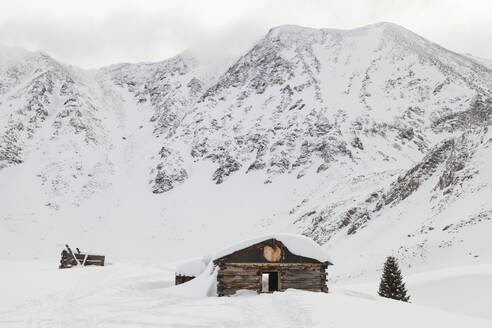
column 96, row 33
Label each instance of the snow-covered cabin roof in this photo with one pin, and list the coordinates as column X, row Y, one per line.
column 297, row 244
column 192, row 267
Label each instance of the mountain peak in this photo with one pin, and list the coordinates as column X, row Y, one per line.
column 297, row 29
column 386, row 25
column 294, row 34
column 13, row 54
column 290, row 28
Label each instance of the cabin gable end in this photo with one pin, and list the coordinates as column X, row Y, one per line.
column 268, row 251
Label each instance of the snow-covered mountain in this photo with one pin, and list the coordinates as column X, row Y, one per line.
column 304, row 99
column 372, row 141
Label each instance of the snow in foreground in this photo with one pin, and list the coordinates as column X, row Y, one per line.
column 36, row 294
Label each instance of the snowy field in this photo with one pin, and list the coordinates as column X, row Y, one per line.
column 37, row 294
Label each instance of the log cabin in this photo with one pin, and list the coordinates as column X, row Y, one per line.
column 271, row 263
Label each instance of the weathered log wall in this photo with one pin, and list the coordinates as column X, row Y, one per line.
column 91, row 259
column 181, row 279
column 312, row 277
column 232, row 277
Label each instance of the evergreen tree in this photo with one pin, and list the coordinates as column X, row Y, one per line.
column 392, row 285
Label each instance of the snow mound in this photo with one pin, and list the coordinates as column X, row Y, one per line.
column 192, row 267
column 205, row 284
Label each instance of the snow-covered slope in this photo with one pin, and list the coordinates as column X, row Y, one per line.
column 372, row 141
column 482, row 61
column 124, row 295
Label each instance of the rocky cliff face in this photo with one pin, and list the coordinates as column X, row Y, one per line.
column 51, row 120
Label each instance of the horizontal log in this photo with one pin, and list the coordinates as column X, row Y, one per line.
column 297, row 278
column 283, row 271
column 301, row 281
column 293, row 264
column 303, row 275
column 302, row 287
column 240, row 279
column 296, row 285
column 256, row 265
column 299, row 269
column 90, row 257
column 240, row 272
column 283, row 277
column 292, row 283
column 306, row 289
column 269, row 269
column 311, row 288
column 250, row 279
column 94, row 263
column 238, row 286
column 252, row 271
column 87, row 262
column 239, row 283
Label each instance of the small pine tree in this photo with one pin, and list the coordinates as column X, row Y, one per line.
column 392, row 285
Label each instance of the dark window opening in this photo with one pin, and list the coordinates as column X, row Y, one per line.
column 269, row 282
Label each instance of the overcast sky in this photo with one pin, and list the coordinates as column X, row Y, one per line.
column 93, row 33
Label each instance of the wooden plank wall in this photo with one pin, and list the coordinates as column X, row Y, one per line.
column 235, row 276
column 232, row 278
column 310, row 277
column 91, row 259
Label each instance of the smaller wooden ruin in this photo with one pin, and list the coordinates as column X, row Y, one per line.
column 181, row 279
column 70, row 258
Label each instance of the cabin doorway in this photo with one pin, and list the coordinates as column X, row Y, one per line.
column 269, row 282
